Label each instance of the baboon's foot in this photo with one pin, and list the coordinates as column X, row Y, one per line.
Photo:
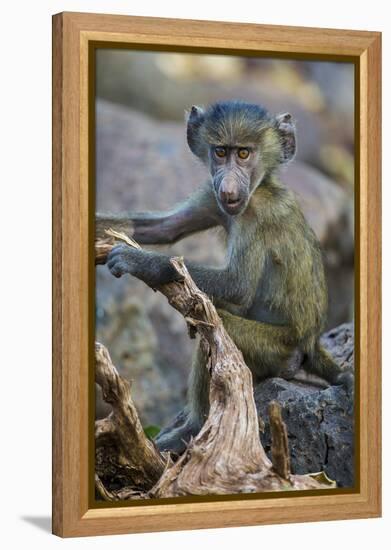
column 292, row 366
column 346, row 379
column 175, row 437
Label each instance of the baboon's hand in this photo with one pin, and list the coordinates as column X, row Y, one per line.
column 123, row 259
column 151, row 267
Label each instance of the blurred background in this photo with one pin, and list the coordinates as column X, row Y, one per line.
column 143, row 162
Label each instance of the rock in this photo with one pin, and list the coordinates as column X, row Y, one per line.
column 145, row 164
column 340, row 343
column 319, row 421
column 319, row 426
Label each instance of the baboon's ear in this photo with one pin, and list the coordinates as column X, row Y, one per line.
column 287, row 131
column 195, row 119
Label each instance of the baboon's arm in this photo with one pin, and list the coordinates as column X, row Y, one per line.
column 236, row 282
column 198, row 212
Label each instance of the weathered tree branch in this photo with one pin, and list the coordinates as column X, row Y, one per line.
column 133, row 457
column 105, row 244
column 280, row 449
column 226, row 457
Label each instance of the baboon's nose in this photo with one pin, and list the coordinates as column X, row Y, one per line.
column 229, row 194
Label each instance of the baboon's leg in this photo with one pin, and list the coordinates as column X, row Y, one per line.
column 266, row 348
column 191, row 421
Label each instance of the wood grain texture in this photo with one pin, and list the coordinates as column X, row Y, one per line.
column 370, row 257
column 216, row 35
column 58, row 466
column 72, row 34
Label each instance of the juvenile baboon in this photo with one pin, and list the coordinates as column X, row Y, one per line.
column 271, row 293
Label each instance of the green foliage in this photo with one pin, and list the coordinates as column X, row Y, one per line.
column 151, row 431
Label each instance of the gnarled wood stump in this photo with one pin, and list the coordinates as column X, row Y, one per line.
column 226, row 457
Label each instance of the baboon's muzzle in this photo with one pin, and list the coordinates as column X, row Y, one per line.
column 232, row 195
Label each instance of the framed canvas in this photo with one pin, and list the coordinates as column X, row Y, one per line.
column 283, row 123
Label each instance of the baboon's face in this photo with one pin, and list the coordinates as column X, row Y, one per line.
column 240, row 143
column 234, row 170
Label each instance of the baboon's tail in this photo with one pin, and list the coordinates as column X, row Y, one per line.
column 318, row 361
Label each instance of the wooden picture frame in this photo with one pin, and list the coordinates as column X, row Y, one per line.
column 74, row 37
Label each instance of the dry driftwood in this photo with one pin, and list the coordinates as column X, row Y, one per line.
column 105, row 244
column 121, row 446
column 226, row 457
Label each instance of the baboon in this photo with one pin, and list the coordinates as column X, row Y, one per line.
column 271, row 293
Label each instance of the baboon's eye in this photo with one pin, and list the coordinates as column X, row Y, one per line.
column 220, row 152
column 243, row 153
